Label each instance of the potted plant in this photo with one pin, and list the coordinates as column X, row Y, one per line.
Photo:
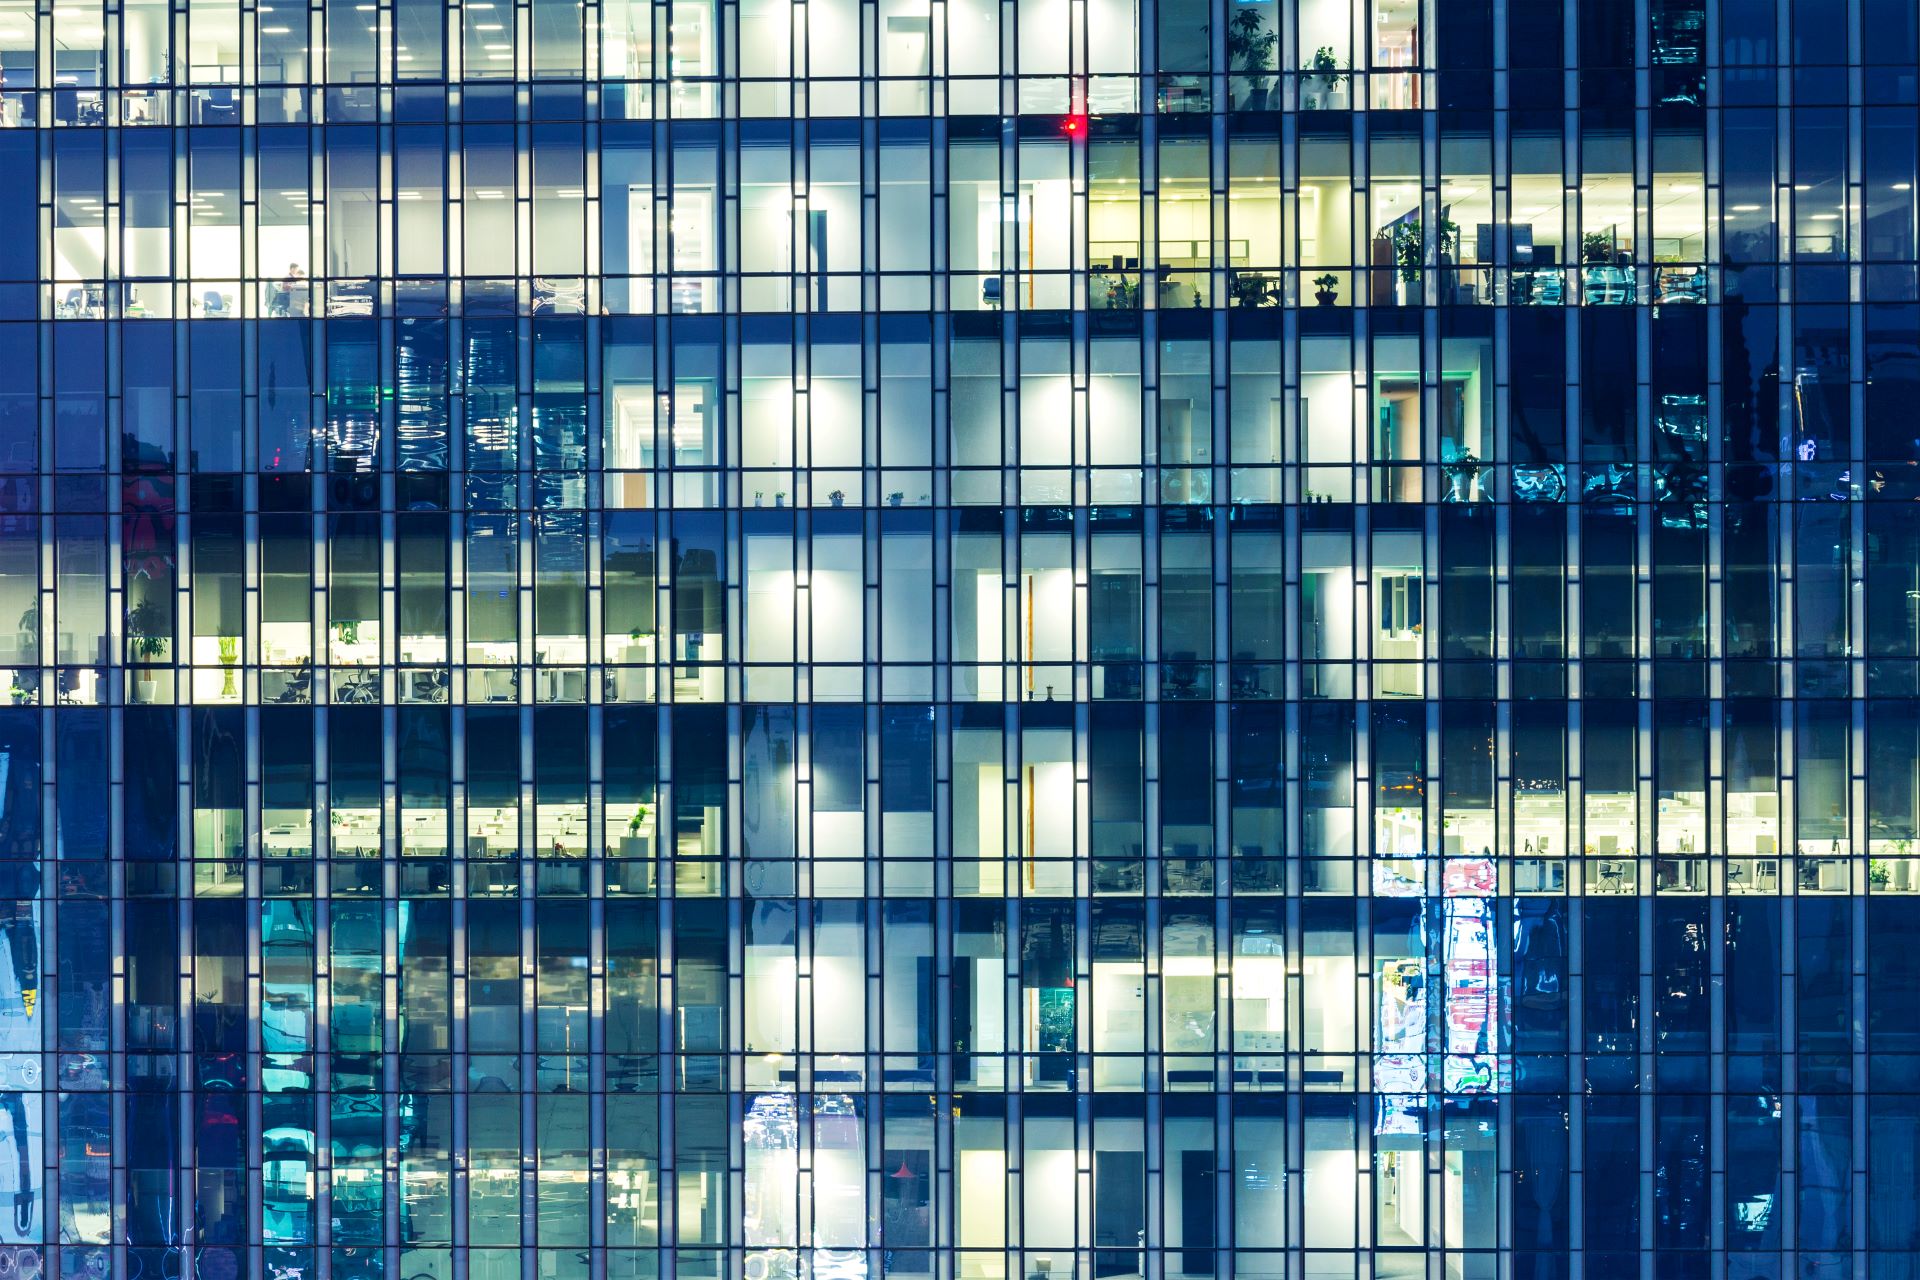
column 634, row 843
column 1596, row 249
column 1879, row 874
column 1250, row 290
column 229, row 650
column 1326, row 289
column 1461, row 470
column 346, row 631
column 1325, row 75
column 1120, row 293
column 897, row 497
column 1409, row 248
column 147, row 629
column 1250, row 48
column 838, row 497
column 1407, row 260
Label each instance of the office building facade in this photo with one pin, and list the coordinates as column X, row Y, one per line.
column 967, row 640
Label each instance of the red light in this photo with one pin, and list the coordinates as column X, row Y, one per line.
column 1073, row 125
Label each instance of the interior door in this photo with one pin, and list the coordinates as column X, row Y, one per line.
column 1196, row 1213
column 1119, row 1211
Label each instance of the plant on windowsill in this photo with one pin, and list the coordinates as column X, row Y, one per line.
column 1326, row 289
column 1250, row 290
column 1250, row 48
column 19, row 692
column 1879, row 874
column 897, row 497
column 1325, row 74
column 838, row 498
column 1326, row 64
column 229, row 650
column 1122, row 292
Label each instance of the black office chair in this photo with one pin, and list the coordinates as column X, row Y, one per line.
column 219, row 105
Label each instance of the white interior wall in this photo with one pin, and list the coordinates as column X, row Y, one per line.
column 1328, row 1177
column 906, row 609
column 836, row 586
column 834, row 421
column 1327, row 999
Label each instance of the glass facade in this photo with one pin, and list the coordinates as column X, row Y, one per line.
column 930, row 639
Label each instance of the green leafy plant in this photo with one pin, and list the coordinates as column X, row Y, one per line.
column 229, row 651
column 1251, row 290
column 1250, row 48
column 1406, row 251
column 147, row 629
column 1324, row 63
column 1409, row 245
column 1596, row 248
column 1879, row 874
column 347, row 631
column 1122, row 292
